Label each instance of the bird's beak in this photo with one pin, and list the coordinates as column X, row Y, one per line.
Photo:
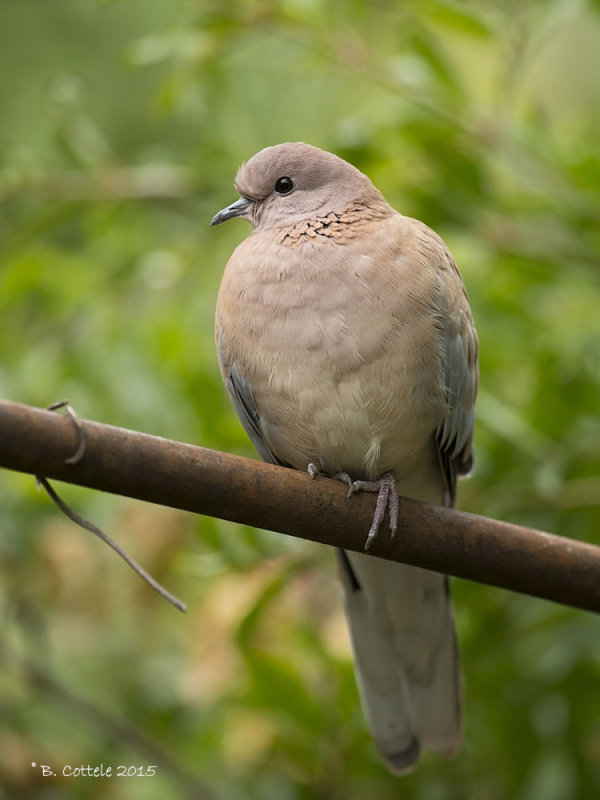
column 234, row 210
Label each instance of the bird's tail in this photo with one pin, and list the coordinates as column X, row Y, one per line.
column 406, row 657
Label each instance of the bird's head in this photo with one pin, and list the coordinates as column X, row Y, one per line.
column 288, row 183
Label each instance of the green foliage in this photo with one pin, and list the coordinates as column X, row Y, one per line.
column 124, row 123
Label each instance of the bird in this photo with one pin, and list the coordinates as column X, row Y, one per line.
column 347, row 346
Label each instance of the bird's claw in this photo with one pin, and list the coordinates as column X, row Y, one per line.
column 387, row 496
column 345, row 478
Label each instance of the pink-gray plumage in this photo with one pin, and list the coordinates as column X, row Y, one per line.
column 347, row 345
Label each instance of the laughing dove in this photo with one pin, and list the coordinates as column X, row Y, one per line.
column 348, row 348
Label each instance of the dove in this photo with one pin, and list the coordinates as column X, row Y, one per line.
column 347, row 346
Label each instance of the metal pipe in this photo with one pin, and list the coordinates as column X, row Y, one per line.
column 287, row 501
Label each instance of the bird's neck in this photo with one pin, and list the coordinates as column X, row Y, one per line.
column 338, row 227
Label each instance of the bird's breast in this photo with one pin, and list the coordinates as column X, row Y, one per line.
column 342, row 356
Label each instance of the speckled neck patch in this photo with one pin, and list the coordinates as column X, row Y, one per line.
column 338, row 227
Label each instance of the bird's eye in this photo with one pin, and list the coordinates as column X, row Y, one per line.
column 284, row 185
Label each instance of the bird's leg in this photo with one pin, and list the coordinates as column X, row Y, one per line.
column 387, row 494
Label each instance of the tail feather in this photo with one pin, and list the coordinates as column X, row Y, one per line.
column 406, row 657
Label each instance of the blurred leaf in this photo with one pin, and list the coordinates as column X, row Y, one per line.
column 468, row 18
column 278, row 688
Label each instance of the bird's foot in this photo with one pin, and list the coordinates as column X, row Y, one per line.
column 344, row 478
column 387, row 495
column 314, row 471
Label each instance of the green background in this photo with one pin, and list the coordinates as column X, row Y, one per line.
column 123, row 124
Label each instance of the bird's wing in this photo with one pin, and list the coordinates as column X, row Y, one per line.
column 240, row 394
column 454, row 435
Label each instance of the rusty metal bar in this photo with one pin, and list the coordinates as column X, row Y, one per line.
column 208, row 482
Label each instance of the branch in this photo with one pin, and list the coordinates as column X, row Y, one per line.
column 287, row 501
